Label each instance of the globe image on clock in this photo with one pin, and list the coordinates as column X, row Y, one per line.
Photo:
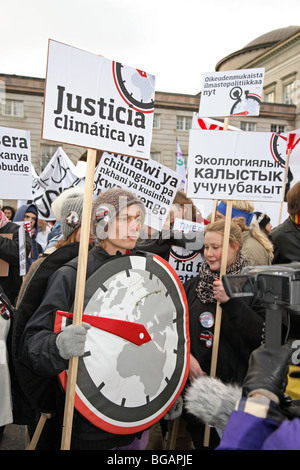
column 124, row 387
column 135, row 86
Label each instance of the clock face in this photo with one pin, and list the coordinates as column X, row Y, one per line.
column 135, row 87
column 123, row 385
column 244, row 105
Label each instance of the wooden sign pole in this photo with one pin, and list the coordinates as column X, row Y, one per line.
column 218, row 316
column 37, row 433
column 79, row 294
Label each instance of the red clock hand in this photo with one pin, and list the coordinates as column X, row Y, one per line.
column 133, row 332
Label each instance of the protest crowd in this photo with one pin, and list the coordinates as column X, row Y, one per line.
column 245, row 404
column 129, row 318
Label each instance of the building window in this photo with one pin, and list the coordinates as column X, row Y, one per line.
column 183, row 123
column 248, row 126
column 47, row 152
column 278, row 128
column 156, row 121
column 270, row 97
column 13, row 108
column 155, row 156
column 289, row 93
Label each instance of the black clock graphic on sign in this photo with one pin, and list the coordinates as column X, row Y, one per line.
column 246, row 104
column 278, row 147
column 136, row 360
column 135, row 87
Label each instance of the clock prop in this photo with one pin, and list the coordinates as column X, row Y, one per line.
column 136, row 357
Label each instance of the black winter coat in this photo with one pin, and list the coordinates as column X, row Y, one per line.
column 286, row 241
column 9, row 252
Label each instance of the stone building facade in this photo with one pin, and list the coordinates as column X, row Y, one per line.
column 277, row 51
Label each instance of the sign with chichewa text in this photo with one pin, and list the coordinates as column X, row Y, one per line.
column 155, row 184
column 236, row 165
column 97, row 103
column 15, row 164
column 231, row 93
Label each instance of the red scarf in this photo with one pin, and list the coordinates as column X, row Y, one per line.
column 296, row 219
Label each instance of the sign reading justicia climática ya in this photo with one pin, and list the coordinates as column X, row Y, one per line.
column 97, row 103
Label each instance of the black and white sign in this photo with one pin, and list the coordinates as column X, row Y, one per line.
column 231, row 93
column 97, row 103
column 15, row 164
column 155, row 184
column 235, row 165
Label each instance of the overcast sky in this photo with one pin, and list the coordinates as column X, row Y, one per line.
column 175, row 40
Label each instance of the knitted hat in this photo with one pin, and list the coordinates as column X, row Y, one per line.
column 262, row 219
column 108, row 205
column 71, row 214
column 58, row 202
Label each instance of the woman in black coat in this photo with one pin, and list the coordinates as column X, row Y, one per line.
column 242, row 321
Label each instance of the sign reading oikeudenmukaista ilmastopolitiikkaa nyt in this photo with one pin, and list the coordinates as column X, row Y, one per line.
column 231, row 93
column 15, row 164
column 97, row 103
column 235, row 165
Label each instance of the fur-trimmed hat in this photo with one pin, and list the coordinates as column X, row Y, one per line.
column 71, row 214
column 262, row 219
column 108, row 205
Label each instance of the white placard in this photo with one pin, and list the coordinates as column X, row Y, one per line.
column 185, row 226
column 58, row 175
column 231, row 93
column 97, row 103
column 155, row 184
column 15, row 164
column 22, row 251
column 235, row 165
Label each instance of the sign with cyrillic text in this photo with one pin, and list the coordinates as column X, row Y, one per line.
column 231, row 93
column 155, row 184
column 15, row 164
column 235, row 165
column 97, row 103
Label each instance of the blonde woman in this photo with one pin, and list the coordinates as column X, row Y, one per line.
column 242, row 320
column 257, row 248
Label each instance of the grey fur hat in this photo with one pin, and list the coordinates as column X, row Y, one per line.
column 71, row 214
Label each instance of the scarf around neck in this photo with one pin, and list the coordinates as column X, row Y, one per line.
column 296, row 219
column 204, row 288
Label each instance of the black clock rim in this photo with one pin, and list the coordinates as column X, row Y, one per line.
column 118, row 413
column 128, row 96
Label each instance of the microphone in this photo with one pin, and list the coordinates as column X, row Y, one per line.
column 212, row 401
